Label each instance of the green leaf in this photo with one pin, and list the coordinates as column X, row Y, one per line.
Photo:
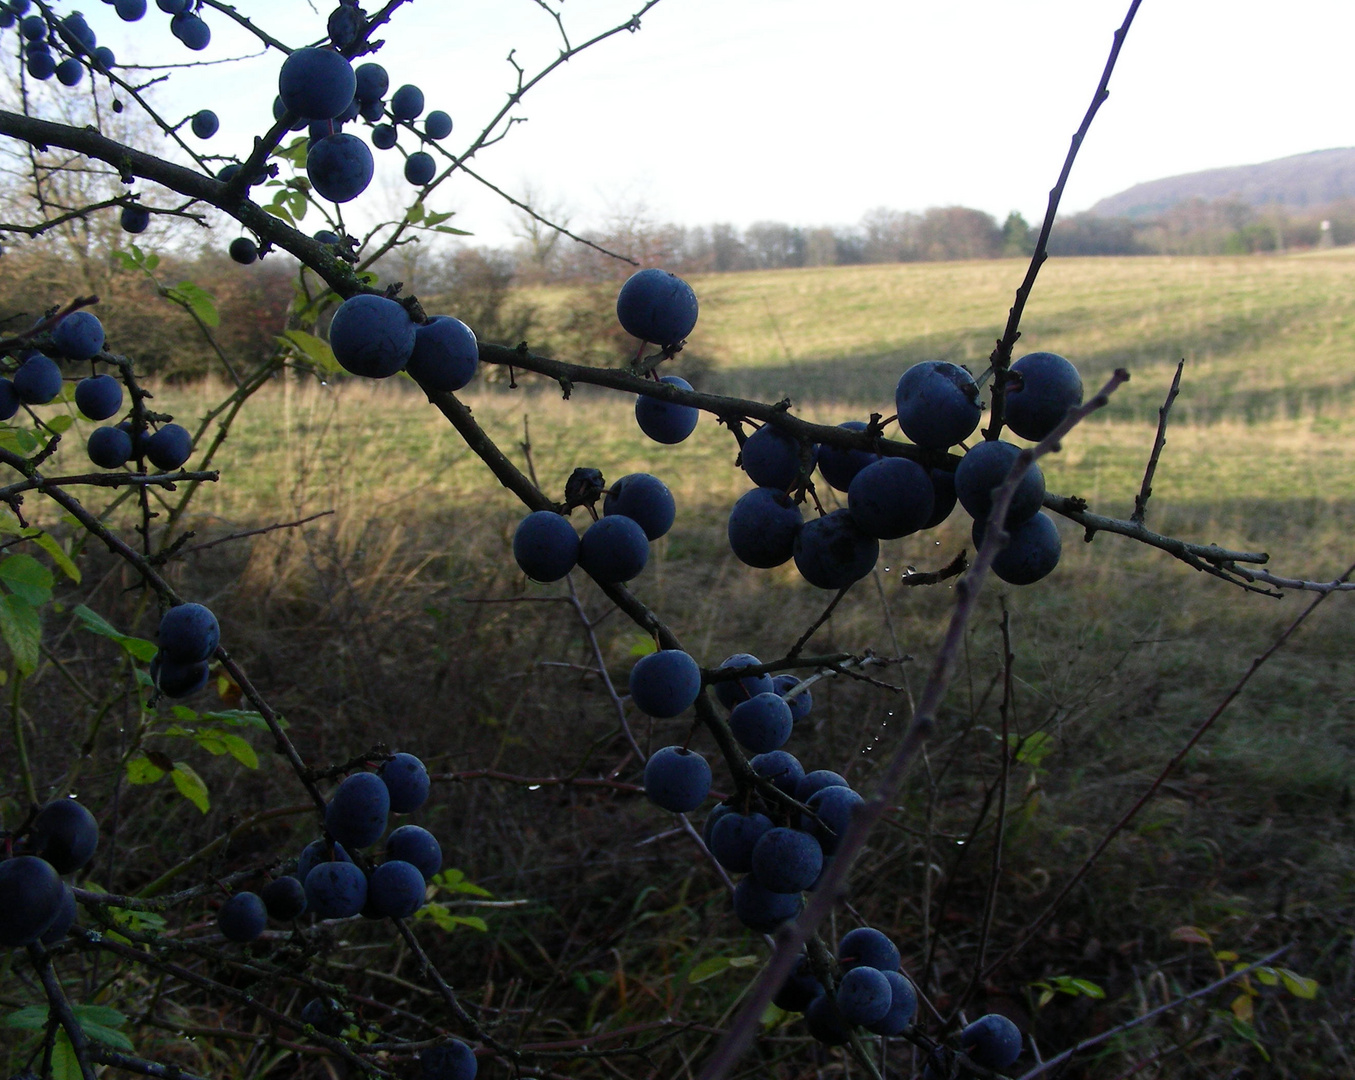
column 1032, row 749
column 138, row 920
column 242, row 718
column 644, row 646
column 312, row 348
column 49, row 544
column 708, row 969
column 190, row 785
column 446, row 921
column 454, row 881
column 21, row 628
column 27, row 442
column 197, row 300
column 1298, row 985
column 295, row 152
column 1087, row 987
column 453, row 232
column 223, row 742
column 151, row 261
column 415, row 213
column 29, row 1018
column 279, row 212
column 27, row 577
column 101, row 1023
column 142, row 770
column 65, row 1064
column 60, row 424
column 138, row 648
column 437, row 218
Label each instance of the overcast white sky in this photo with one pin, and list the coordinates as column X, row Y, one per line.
column 813, row 112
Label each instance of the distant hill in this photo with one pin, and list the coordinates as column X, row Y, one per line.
column 1302, row 181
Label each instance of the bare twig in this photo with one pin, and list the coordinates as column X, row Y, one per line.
column 253, row 532
column 999, row 827
column 803, row 639
column 1001, row 357
column 1146, row 489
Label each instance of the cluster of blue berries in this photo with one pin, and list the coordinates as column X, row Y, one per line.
column 373, row 336
column 871, row 992
column 35, row 904
column 328, row 882
column 60, row 47
column 66, row 47
column 323, row 91
column 188, row 636
column 937, row 407
column 636, row 510
column 37, row 381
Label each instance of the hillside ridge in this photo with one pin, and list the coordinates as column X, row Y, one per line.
column 1313, row 179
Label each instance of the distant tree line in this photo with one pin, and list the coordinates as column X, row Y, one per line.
column 1200, row 227
column 882, row 236
column 1222, row 227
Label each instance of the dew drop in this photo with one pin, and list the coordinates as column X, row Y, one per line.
column 533, row 787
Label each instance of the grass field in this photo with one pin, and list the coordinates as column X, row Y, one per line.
column 401, row 617
column 1262, row 337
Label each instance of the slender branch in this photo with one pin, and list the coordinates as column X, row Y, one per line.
column 999, row 826
column 253, row 532
column 603, row 674
column 448, row 995
column 195, row 185
column 1200, row 556
column 526, row 209
column 102, row 1056
column 1001, row 357
column 1105, row 1036
column 20, row 744
column 1293, row 584
column 803, row 639
column 1146, row 489
column 106, row 480
column 487, row 135
column 954, row 568
column 538, row 781
column 61, row 1009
